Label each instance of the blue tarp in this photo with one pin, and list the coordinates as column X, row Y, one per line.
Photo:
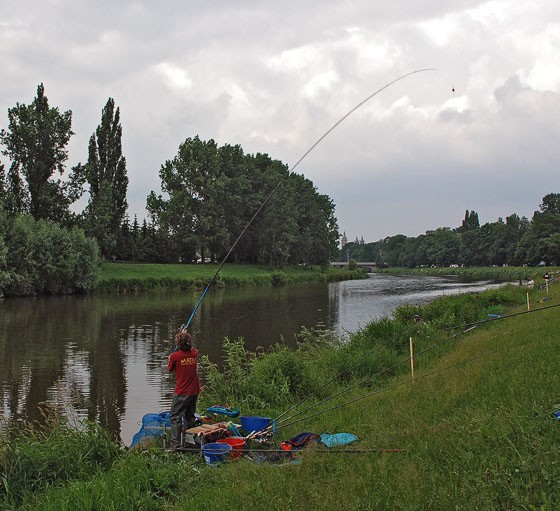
column 336, row 439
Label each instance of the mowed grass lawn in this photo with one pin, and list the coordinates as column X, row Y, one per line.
column 137, row 276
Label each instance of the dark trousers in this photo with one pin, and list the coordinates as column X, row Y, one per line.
column 182, row 416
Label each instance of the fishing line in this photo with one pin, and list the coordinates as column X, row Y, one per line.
column 273, row 191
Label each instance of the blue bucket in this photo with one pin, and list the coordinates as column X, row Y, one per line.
column 216, row 453
column 252, row 424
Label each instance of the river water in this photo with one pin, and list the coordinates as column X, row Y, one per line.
column 104, row 357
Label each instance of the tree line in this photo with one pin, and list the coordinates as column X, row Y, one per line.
column 514, row 242
column 208, row 193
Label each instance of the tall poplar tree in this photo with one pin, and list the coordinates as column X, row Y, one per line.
column 35, row 142
column 105, row 173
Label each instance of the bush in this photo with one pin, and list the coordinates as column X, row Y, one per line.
column 43, row 257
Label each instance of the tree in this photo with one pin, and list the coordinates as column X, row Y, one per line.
column 469, row 222
column 186, row 214
column 211, row 193
column 35, row 143
column 534, row 246
column 551, row 204
column 105, row 173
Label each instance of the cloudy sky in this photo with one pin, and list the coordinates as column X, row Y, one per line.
column 275, row 76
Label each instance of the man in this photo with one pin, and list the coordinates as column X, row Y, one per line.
column 184, row 361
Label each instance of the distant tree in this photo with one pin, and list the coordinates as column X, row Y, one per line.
column 469, row 222
column 35, row 143
column 105, row 173
column 551, row 204
column 534, row 245
column 441, row 247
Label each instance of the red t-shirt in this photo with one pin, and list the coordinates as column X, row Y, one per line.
column 184, row 363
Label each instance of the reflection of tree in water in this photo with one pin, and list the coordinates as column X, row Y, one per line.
column 151, row 344
column 31, row 353
column 79, row 352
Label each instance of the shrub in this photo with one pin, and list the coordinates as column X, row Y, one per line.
column 43, row 257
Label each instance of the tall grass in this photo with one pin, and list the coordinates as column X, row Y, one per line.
column 34, row 459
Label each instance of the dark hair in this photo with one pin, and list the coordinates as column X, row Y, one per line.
column 184, row 340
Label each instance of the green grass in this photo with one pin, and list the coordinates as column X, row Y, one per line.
column 474, row 428
column 124, row 277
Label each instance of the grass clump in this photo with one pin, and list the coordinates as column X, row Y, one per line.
column 264, row 381
column 145, row 481
column 35, row 459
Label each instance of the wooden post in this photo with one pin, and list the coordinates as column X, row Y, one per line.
column 412, row 357
column 528, row 302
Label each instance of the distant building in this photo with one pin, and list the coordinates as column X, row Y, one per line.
column 344, row 240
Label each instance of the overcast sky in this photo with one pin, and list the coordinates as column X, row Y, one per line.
column 275, row 76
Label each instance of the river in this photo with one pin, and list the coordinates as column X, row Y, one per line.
column 104, row 357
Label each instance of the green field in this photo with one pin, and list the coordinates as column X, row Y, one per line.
column 473, row 430
column 123, row 277
column 502, row 273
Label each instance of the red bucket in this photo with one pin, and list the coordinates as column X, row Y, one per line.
column 237, row 445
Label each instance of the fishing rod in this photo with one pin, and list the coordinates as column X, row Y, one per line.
column 275, row 189
column 389, row 387
column 369, row 378
column 332, row 380
column 467, row 328
column 296, row 451
column 273, row 423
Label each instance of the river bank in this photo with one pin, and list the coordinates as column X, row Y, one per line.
column 469, row 274
column 470, row 432
column 134, row 277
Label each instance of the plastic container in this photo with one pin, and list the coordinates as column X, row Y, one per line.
column 252, row 424
column 237, row 445
column 216, row 453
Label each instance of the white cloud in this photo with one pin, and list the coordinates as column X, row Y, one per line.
column 175, row 77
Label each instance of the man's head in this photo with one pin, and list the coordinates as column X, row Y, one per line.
column 183, row 340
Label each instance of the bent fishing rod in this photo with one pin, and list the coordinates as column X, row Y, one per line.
column 275, row 189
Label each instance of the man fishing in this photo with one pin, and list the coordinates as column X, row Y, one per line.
column 184, row 361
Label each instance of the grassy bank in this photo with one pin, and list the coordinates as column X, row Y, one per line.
column 501, row 273
column 473, row 430
column 130, row 277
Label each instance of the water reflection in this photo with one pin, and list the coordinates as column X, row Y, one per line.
column 104, row 357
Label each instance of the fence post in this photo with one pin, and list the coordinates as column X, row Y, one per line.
column 412, row 357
